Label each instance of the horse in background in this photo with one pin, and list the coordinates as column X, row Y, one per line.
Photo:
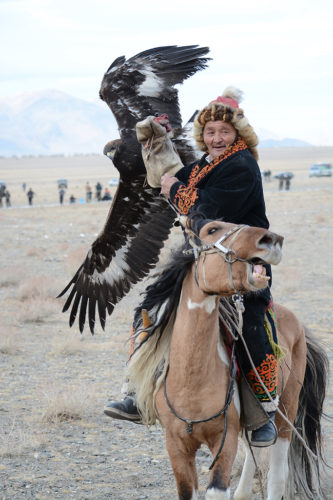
column 184, row 378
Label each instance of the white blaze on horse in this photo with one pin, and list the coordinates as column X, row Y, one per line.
column 182, row 374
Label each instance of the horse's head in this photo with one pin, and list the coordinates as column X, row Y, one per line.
column 230, row 257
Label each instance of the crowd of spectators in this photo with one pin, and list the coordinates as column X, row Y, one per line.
column 5, row 197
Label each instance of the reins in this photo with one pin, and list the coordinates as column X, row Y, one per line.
column 230, row 256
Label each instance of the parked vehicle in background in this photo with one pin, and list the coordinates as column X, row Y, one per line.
column 114, row 182
column 62, row 183
column 320, row 170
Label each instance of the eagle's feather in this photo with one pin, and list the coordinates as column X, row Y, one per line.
column 139, row 220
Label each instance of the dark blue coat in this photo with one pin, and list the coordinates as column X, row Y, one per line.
column 232, row 190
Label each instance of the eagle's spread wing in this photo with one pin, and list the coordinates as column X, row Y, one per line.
column 127, row 248
column 139, row 220
column 144, row 84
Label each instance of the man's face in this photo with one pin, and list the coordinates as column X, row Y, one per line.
column 218, row 136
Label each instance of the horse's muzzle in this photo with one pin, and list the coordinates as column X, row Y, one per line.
column 271, row 243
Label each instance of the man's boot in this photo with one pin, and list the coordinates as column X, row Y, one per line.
column 265, row 435
column 123, row 410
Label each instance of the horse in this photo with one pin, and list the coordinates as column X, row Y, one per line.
column 184, row 378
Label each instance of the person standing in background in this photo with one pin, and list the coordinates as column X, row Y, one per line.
column 99, row 188
column 30, row 195
column 61, row 196
column 7, row 196
column 88, row 192
column 2, row 193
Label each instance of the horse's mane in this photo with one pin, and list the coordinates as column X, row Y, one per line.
column 162, row 296
column 150, row 358
column 149, row 361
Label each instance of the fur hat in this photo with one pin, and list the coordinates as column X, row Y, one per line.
column 225, row 108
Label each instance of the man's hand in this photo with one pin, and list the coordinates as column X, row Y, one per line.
column 166, row 182
column 164, row 121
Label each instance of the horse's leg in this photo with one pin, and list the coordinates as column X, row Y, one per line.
column 293, row 375
column 277, row 475
column 278, row 466
column 244, row 488
column 278, row 469
column 183, row 465
column 219, row 484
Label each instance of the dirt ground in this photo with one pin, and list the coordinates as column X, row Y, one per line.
column 55, row 441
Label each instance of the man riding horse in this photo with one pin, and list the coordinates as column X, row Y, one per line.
column 226, row 184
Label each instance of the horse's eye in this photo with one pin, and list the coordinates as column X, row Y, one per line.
column 212, row 230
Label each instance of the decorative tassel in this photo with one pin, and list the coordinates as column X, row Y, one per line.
column 145, row 324
column 271, row 330
column 132, row 341
column 278, row 351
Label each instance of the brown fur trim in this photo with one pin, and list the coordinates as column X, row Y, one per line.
column 216, row 111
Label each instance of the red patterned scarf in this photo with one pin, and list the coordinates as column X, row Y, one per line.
column 186, row 196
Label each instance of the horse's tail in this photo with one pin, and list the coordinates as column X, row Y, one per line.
column 303, row 467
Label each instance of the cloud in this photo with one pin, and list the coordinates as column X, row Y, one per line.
column 278, row 53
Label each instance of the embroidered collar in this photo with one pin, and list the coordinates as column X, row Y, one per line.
column 187, row 195
column 197, row 175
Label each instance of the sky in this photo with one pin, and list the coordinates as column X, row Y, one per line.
column 280, row 54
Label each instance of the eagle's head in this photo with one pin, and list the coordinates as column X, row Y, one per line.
column 126, row 157
column 110, row 148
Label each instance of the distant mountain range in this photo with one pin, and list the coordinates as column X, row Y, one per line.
column 51, row 122
column 269, row 140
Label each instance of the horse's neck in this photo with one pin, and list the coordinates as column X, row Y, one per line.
column 194, row 339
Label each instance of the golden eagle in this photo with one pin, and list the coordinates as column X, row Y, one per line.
column 139, row 219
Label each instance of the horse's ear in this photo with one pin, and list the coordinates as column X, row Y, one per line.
column 186, row 224
column 195, row 221
column 189, row 229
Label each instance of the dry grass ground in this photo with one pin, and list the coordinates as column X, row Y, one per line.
column 55, row 441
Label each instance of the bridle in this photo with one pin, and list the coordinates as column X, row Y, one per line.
column 229, row 255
